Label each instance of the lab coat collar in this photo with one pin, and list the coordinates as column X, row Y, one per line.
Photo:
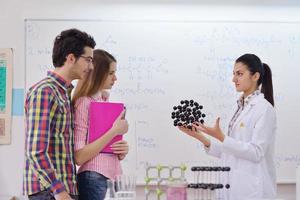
column 247, row 108
column 243, row 102
column 256, row 99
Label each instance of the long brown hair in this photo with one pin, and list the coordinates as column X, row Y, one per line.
column 92, row 83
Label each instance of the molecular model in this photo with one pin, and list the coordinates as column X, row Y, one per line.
column 157, row 177
column 187, row 113
column 210, row 182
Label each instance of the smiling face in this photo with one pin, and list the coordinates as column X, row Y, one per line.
column 243, row 79
column 111, row 77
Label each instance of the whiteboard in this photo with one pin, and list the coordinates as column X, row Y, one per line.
column 163, row 62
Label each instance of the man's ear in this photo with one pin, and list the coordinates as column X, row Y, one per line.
column 70, row 58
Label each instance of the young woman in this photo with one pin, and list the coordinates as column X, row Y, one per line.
column 95, row 167
column 248, row 148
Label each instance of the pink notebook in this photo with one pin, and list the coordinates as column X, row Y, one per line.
column 102, row 117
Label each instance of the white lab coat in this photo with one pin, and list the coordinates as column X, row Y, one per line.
column 249, row 151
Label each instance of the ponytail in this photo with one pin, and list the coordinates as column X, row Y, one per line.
column 267, row 85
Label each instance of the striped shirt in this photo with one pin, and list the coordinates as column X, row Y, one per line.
column 49, row 145
column 242, row 103
column 104, row 163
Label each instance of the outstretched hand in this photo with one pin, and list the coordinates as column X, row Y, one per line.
column 195, row 134
column 214, row 131
column 191, row 132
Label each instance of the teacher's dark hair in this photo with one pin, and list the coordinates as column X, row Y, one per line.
column 254, row 65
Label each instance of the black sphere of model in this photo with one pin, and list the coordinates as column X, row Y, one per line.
column 187, row 113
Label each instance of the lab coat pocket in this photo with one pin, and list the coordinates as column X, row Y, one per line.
column 244, row 185
column 243, row 132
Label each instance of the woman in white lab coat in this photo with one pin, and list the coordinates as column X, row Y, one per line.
column 248, row 147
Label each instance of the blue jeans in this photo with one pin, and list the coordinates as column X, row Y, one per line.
column 91, row 186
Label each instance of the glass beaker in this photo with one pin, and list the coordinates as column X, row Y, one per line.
column 110, row 191
column 125, row 187
column 177, row 190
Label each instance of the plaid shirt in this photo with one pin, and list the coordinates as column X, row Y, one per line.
column 49, row 147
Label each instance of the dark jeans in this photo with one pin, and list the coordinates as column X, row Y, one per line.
column 46, row 195
column 91, row 185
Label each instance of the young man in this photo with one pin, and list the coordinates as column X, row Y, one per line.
column 50, row 171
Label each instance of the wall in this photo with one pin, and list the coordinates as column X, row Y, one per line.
column 14, row 12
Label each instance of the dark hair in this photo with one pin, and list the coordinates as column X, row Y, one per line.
column 70, row 41
column 254, row 65
column 92, row 83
